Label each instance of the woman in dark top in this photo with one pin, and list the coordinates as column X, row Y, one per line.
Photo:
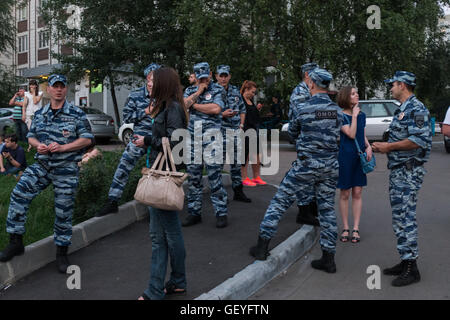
column 169, row 114
column 351, row 177
column 252, row 121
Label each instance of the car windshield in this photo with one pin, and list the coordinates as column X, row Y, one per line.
column 373, row 110
column 92, row 111
column 392, row 107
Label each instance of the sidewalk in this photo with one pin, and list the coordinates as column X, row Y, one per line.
column 117, row 266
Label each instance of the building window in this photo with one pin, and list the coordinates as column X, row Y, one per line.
column 40, row 5
column 23, row 44
column 23, row 13
column 43, row 39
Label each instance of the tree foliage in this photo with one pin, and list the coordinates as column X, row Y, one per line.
column 259, row 38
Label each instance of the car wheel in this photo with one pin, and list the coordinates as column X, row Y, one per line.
column 126, row 136
column 447, row 147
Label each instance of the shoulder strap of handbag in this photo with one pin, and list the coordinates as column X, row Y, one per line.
column 356, row 140
column 148, row 151
column 168, row 154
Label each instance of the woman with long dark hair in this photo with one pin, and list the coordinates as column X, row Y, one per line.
column 351, row 177
column 169, row 114
column 252, row 121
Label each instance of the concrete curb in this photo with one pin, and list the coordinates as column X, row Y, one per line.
column 43, row 252
column 255, row 276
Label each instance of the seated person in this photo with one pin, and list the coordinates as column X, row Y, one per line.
column 2, row 143
column 14, row 156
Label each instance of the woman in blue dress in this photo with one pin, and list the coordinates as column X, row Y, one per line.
column 351, row 177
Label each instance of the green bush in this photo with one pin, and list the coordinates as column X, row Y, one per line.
column 95, row 180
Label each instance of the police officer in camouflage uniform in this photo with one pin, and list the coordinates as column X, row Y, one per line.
column 233, row 117
column 59, row 132
column 408, row 148
column 316, row 168
column 205, row 102
column 137, row 111
column 307, row 206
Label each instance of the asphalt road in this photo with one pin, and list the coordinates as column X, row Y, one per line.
column 378, row 246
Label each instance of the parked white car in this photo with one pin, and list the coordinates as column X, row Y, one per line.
column 126, row 132
column 379, row 114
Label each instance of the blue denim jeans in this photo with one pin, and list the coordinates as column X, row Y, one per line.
column 167, row 242
column 11, row 170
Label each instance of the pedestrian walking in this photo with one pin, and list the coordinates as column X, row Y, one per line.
column 205, row 102
column 252, row 121
column 316, row 167
column 233, row 118
column 165, row 226
column 137, row 111
column 19, row 102
column 307, row 206
column 408, row 149
column 59, row 132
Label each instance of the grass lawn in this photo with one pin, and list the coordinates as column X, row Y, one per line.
column 95, row 180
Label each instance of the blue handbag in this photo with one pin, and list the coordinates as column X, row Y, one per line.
column 367, row 166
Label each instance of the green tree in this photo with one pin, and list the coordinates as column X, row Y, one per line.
column 113, row 38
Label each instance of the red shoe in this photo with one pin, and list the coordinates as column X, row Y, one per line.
column 259, row 181
column 249, row 183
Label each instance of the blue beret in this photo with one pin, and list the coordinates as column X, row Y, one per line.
column 201, row 70
column 309, row 66
column 321, row 77
column 223, row 68
column 151, row 67
column 403, row 76
column 57, row 78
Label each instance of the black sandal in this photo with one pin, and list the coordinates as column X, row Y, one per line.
column 355, row 239
column 345, row 238
column 170, row 288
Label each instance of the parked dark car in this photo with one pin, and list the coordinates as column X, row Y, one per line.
column 6, row 121
column 102, row 125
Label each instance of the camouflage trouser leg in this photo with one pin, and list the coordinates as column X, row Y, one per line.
column 404, row 185
column 233, row 159
column 130, row 157
column 298, row 181
column 195, row 193
column 65, row 183
column 34, row 180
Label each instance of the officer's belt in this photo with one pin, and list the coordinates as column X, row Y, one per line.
column 412, row 163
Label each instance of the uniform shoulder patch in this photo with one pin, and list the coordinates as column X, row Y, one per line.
column 326, row 114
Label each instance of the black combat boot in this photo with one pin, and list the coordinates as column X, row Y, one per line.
column 409, row 275
column 110, row 207
column 221, row 222
column 191, row 220
column 326, row 263
column 14, row 248
column 395, row 270
column 308, row 214
column 239, row 194
column 62, row 262
column 261, row 250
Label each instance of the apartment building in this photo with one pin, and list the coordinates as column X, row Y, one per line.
column 32, row 58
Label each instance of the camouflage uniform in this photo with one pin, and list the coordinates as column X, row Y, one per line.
column 411, row 121
column 235, row 102
column 133, row 112
column 316, row 168
column 199, row 125
column 299, row 96
column 63, row 126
